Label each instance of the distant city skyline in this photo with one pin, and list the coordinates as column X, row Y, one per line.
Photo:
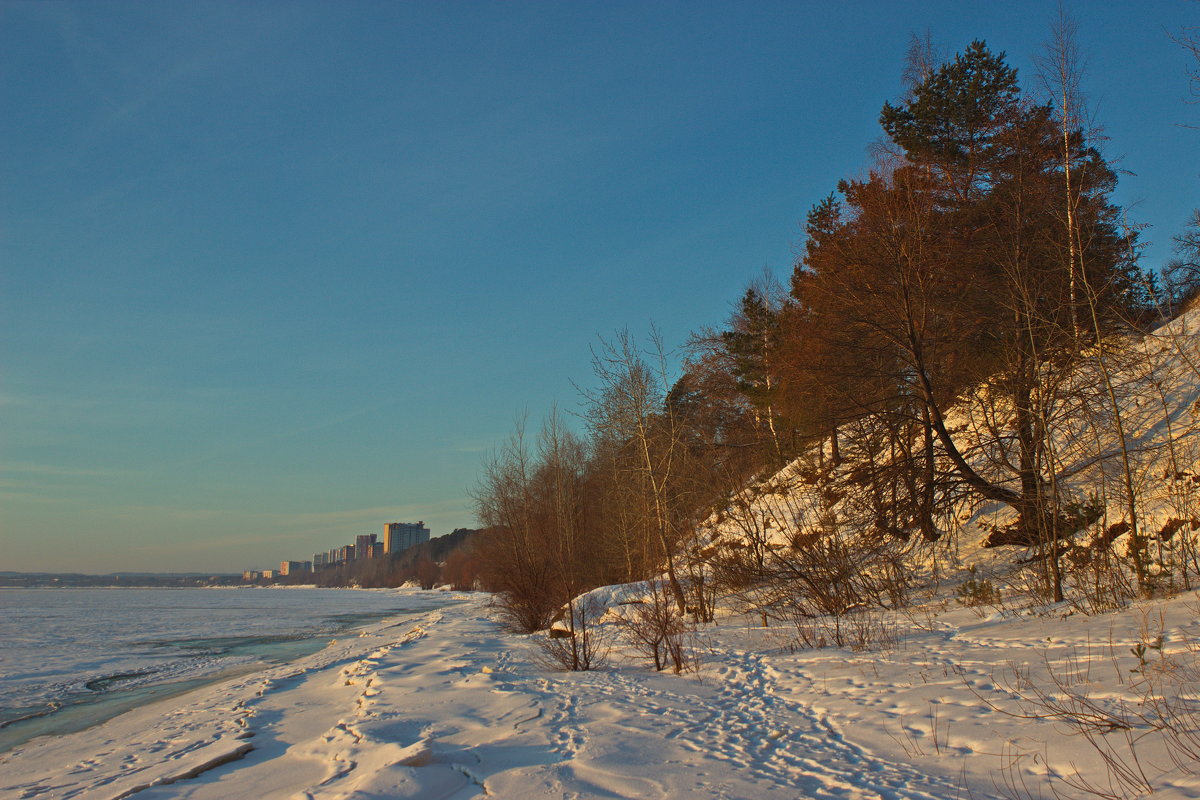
column 271, row 274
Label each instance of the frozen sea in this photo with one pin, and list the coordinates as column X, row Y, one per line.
column 70, row 658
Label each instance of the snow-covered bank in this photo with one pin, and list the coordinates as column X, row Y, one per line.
column 445, row 704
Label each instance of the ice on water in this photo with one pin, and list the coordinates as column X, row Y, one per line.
column 62, row 644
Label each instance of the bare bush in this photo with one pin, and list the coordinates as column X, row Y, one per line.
column 1141, row 738
column 809, row 549
column 861, row 631
column 527, row 605
column 581, row 645
column 658, row 631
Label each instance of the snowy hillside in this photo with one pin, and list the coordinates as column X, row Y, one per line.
column 1155, row 381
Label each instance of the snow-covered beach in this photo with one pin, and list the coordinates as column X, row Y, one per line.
column 446, row 704
column 70, row 657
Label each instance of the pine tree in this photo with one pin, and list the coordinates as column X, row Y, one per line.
column 954, row 117
column 750, row 345
column 945, row 271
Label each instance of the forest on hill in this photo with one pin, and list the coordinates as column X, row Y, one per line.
column 969, row 351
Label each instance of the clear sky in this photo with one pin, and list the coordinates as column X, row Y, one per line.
column 273, row 274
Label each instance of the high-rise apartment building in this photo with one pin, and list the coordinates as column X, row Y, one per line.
column 399, row 536
column 363, row 546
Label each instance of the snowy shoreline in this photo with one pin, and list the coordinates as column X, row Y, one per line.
column 70, row 659
column 180, row 736
column 445, row 704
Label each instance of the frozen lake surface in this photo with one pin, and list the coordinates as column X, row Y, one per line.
column 69, row 657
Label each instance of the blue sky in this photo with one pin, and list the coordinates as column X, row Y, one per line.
column 273, row 274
